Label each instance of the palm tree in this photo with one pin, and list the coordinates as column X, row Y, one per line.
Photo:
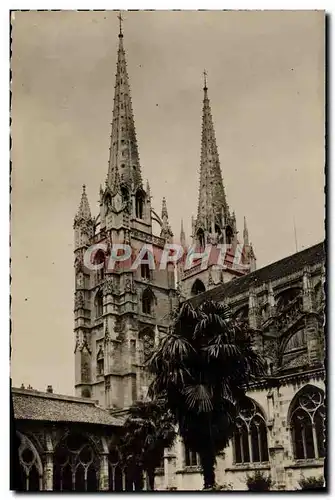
column 203, row 366
column 148, row 430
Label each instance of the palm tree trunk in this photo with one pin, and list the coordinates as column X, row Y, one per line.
column 151, row 479
column 208, row 464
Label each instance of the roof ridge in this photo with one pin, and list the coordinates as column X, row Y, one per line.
column 51, row 395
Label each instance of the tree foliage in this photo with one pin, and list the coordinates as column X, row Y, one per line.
column 202, row 368
column 312, row 483
column 148, row 430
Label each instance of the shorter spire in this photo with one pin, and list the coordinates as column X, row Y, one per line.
column 84, row 211
column 166, row 229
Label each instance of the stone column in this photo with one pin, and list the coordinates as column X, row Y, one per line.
column 48, row 471
column 104, row 473
column 170, row 470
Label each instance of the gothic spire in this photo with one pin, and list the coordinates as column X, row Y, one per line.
column 212, row 197
column 123, row 157
column 84, row 211
column 245, row 233
column 166, row 229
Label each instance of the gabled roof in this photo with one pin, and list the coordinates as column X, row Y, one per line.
column 35, row 405
column 272, row 272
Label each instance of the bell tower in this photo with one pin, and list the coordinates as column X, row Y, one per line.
column 120, row 308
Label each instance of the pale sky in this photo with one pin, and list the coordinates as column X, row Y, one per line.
column 266, row 87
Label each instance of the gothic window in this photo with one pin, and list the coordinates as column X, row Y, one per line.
column 100, row 362
column 285, row 298
column 147, row 301
column 198, row 287
column 76, row 465
column 99, row 258
column 98, row 302
column 145, row 271
column 250, row 436
column 139, row 203
column 217, row 229
column 31, row 470
column 307, row 424
column 191, row 458
column 201, row 238
column 229, row 235
column 125, row 194
column 115, row 471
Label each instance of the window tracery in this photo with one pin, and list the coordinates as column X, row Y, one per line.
column 307, row 424
column 30, row 465
column 76, row 465
column 250, row 436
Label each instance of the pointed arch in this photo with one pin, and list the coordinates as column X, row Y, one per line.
column 76, row 463
column 98, row 303
column 100, row 361
column 107, row 202
column 306, row 419
column 148, row 301
column 250, row 442
column 286, row 297
column 139, row 203
column 31, row 468
column 229, row 235
column 124, row 193
column 201, row 238
column 198, row 287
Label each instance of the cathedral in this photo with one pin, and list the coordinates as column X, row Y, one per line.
column 68, row 443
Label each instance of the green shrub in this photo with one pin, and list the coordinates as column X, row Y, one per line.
column 312, row 483
column 259, row 482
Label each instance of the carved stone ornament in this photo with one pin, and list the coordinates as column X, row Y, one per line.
column 79, row 300
column 108, row 286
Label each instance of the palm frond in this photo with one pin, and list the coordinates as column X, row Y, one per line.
column 198, row 397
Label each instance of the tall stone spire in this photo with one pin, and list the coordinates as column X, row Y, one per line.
column 123, row 157
column 212, row 199
column 84, row 211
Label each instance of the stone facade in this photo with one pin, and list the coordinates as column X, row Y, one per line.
column 64, row 443
column 284, row 306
